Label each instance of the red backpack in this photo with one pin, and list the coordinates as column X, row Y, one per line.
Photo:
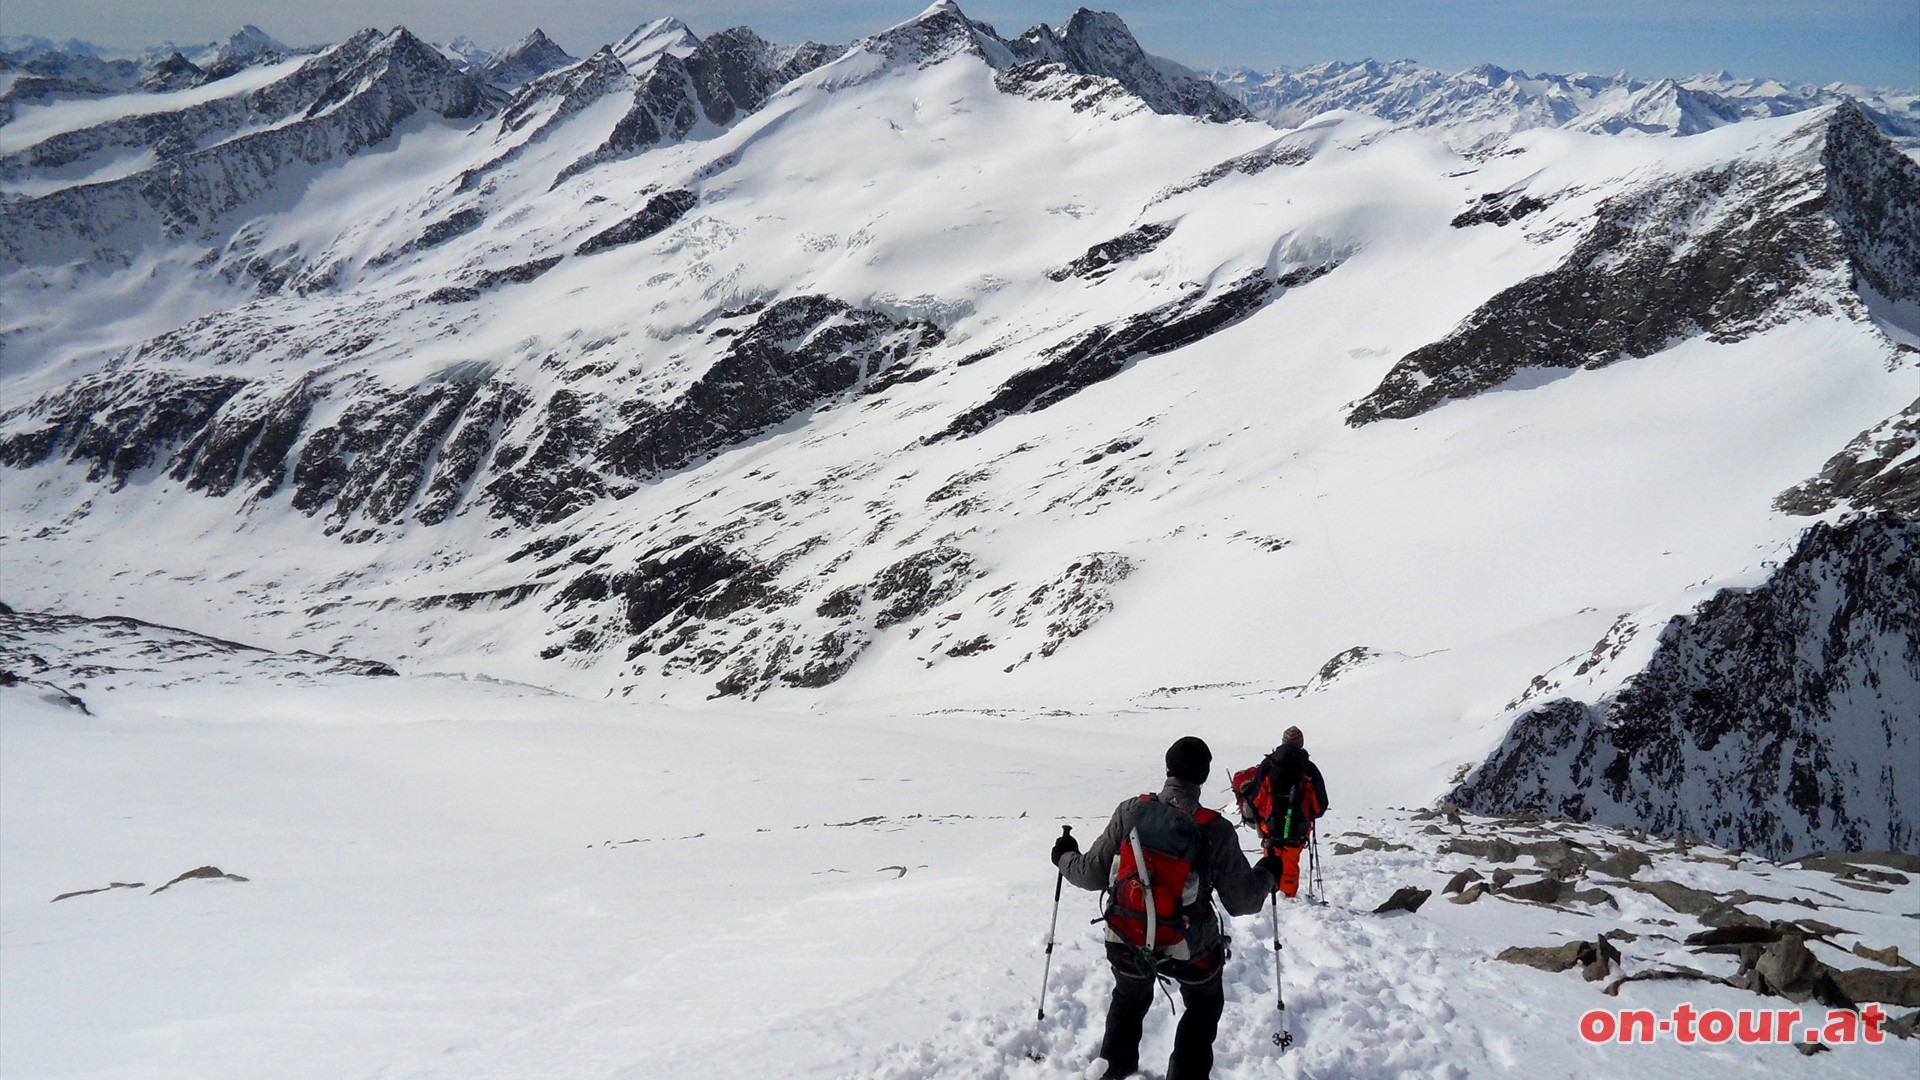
column 1268, row 812
column 1159, row 877
column 1255, row 795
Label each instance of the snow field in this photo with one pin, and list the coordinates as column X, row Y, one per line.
column 473, row 879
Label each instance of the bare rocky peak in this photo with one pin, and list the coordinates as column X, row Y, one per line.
column 528, row 59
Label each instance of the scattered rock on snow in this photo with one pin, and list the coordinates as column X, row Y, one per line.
column 103, row 888
column 1592, row 957
column 208, row 873
column 1405, row 898
column 1889, row 955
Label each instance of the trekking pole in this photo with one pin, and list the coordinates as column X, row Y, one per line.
column 1319, row 887
column 1282, row 1037
column 1047, row 971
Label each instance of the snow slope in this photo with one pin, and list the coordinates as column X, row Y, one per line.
column 455, row 877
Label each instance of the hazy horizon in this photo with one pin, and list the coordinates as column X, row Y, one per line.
column 1873, row 43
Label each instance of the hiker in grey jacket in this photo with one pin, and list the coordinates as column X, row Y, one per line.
column 1196, row 963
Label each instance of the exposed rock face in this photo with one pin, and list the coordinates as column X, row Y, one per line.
column 798, row 355
column 532, row 57
column 660, row 211
column 1874, row 197
column 1776, row 720
column 176, row 72
column 1045, row 80
column 684, row 82
column 1779, row 242
column 1101, row 259
column 1098, row 43
column 1102, row 353
column 1878, row 470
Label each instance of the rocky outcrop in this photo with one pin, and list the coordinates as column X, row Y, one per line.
column 650, row 220
column 386, row 454
column 1101, row 259
column 1098, row 43
column 175, row 72
column 1727, row 253
column 678, row 87
column 798, row 355
column 1773, row 720
column 1878, row 470
column 525, row 61
column 1101, row 353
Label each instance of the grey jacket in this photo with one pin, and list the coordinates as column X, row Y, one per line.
column 1243, row 888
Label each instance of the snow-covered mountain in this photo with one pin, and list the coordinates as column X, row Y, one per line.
column 37, row 70
column 1480, row 107
column 522, row 62
column 855, row 461
column 938, row 367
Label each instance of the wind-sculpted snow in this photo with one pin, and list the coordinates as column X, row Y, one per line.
column 1728, row 252
column 1776, row 720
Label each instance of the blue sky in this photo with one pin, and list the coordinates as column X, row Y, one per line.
column 1870, row 42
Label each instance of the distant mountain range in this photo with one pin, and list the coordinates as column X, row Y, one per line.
column 1482, row 106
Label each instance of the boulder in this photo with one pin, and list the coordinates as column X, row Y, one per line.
column 1405, row 898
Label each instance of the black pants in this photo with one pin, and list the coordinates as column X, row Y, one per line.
column 1133, row 993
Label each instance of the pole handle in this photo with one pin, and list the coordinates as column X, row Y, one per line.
column 1066, row 831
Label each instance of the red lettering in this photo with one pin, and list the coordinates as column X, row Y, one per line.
column 1756, row 1025
column 1636, row 1025
column 1683, row 1016
column 1716, row 1025
column 1784, row 1021
column 1842, row 1026
column 1871, row 1016
column 1597, row 1026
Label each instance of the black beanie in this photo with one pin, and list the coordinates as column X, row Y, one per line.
column 1189, row 759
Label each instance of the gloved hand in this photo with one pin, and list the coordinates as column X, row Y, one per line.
column 1062, row 846
column 1272, row 865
